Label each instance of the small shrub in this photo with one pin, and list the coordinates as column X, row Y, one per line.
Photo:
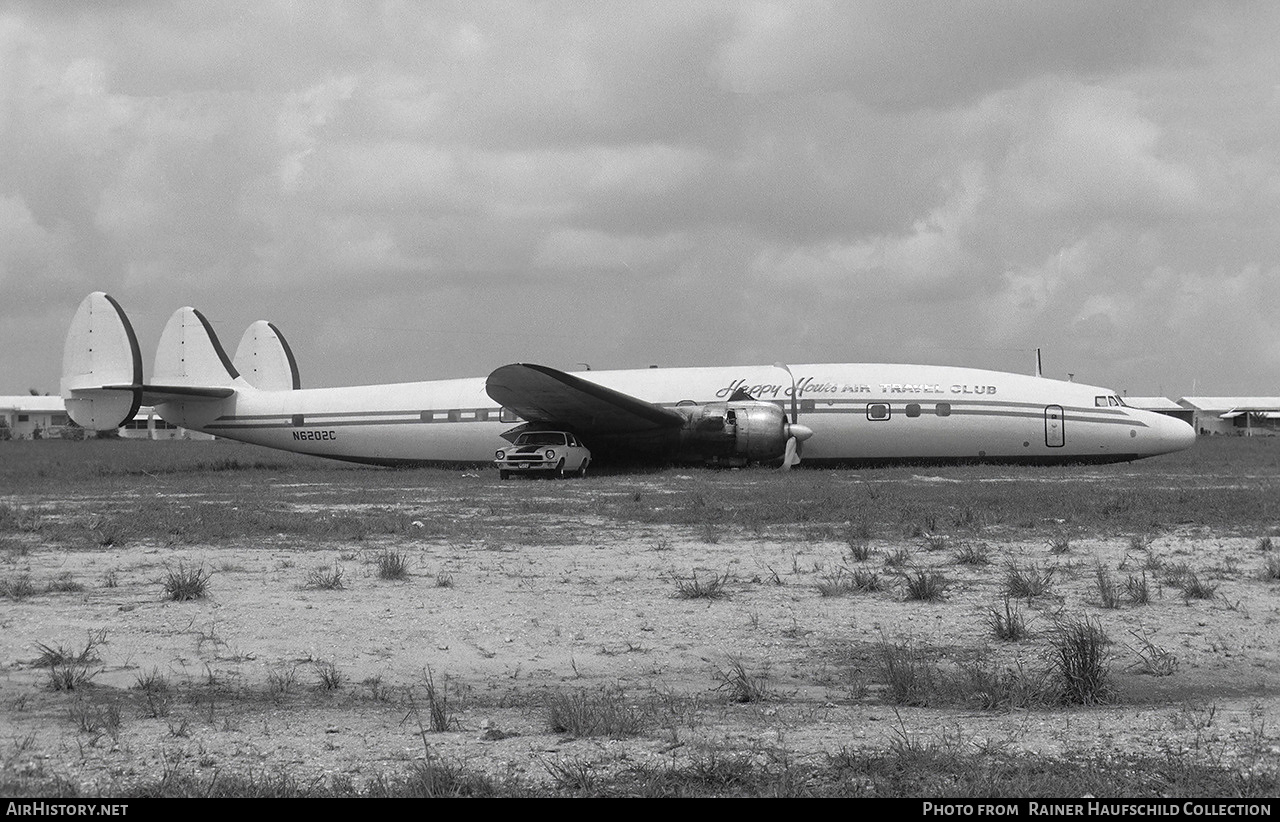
column 859, row 550
column 1152, row 659
column 836, row 583
column 326, row 578
column 1026, row 582
column 64, row 583
column 742, row 685
column 17, row 587
column 329, row 675
column 1108, row 590
column 1007, row 623
column 935, row 542
column 584, row 713
column 183, row 583
column 1059, row 545
column 909, row 677
column 444, row 579
column 392, row 564
column 1271, row 569
column 71, row 670
column 899, row 558
column 1139, row 542
column 1264, row 544
column 438, row 707
column 867, row 581
column 1193, row 587
column 693, row 588
column 927, row 586
column 973, row 553
column 1137, row 590
column 281, row 679
column 1080, row 662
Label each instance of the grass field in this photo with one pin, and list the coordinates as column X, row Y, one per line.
column 281, row 625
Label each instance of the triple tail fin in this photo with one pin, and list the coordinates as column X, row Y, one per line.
column 265, row 359
column 101, row 365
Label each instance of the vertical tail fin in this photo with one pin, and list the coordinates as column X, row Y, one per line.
column 101, row 365
column 265, row 359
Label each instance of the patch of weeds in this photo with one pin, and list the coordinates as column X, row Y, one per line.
column 1152, row 659
column 1140, row 542
column 661, row 545
column 18, row 586
column 444, row 579
column 329, row 675
column 111, row 579
column 1271, row 569
column 936, row 542
column 867, row 581
column 1058, row 545
column 693, row 588
column 1026, row 581
column 1193, row 587
column 587, row 713
column 155, row 687
column 1080, row 662
column 574, row 775
column 183, row 583
column 64, row 583
column 1108, row 590
column 927, row 586
column 282, row 679
column 836, row 583
column 898, row 558
column 326, row 578
column 973, row 553
column 910, row 678
column 1137, row 589
column 742, row 685
column 392, row 564
column 1265, row 544
column 1007, row 623
column 96, row 717
column 69, row 670
column 438, row 707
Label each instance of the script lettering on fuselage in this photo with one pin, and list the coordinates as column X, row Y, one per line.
column 804, row 385
column 315, row 435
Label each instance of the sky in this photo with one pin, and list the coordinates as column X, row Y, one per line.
column 414, row 191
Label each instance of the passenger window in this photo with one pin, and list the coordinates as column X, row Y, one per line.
column 455, row 415
column 1100, row 402
column 482, row 414
column 942, row 409
column 878, row 411
column 913, row 409
column 807, row 405
column 507, row 415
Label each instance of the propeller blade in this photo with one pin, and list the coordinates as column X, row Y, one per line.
column 791, row 457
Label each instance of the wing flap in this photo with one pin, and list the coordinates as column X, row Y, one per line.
column 541, row 394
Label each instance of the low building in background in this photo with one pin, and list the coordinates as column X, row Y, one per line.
column 1237, row 416
column 35, row 417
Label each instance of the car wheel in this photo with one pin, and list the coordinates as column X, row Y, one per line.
column 559, row 472
column 582, row 469
column 504, row 473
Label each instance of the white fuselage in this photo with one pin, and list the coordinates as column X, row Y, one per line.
column 858, row 412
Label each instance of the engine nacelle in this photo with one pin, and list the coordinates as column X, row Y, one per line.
column 733, row 433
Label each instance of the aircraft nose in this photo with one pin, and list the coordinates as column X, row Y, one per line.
column 1175, row 435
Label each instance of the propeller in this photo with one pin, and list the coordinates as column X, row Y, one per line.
column 796, row 433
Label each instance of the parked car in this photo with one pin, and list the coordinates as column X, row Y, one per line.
column 553, row 453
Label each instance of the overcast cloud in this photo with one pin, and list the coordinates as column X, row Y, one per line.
column 419, row 190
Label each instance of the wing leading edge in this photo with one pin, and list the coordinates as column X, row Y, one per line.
column 544, row 395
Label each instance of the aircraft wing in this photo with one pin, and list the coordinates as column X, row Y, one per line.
column 541, row 394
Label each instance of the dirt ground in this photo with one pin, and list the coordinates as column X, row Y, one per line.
column 499, row 625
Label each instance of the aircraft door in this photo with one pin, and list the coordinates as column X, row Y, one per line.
column 1054, row 433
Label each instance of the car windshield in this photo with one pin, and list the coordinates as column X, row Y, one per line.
column 541, row 438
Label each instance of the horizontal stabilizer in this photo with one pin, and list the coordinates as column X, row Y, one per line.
column 101, row 365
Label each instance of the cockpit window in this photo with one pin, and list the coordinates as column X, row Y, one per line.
column 1114, row 401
